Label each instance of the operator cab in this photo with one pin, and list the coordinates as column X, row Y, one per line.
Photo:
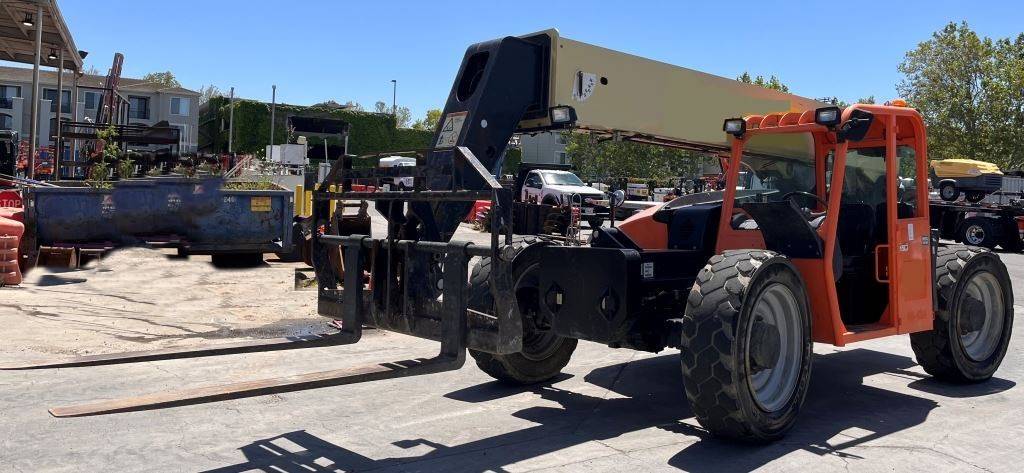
column 787, row 175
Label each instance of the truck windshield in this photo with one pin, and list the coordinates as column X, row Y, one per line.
column 561, row 179
column 776, row 165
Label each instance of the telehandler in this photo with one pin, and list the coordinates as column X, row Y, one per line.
column 829, row 244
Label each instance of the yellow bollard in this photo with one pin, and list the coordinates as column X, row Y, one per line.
column 334, row 203
column 309, row 203
column 300, row 209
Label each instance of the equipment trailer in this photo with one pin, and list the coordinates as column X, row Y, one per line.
column 980, row 224
column 831, row 249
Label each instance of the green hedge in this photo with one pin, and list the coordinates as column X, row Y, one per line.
column 370, row 133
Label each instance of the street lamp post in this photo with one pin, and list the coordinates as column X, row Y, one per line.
column 231, row 122
column 273, row 107
column 394, row 95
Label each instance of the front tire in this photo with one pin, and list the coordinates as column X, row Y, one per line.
column 747, row 345
column 544, row 352
column 975, row 317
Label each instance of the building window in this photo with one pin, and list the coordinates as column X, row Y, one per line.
column 6, row 122
column 92, row 100
column 139, row 107
column 7, row 94
column 53, row 128
column 51, row 95
column 180, row 106
column 561, row 157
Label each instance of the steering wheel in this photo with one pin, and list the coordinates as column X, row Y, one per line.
column 790, row 195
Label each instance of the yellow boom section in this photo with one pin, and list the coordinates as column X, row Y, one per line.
column 646, row 100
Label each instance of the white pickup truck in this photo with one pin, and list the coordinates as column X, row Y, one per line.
column 556, row 187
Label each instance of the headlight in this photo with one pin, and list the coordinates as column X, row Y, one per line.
column 563, row 114
column 827, row 116
column 735, row 126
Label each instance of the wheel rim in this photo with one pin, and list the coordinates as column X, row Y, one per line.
column 947, row 192
column 538, row 345
column 773, row 376
column 974, row 234
column 980, row 316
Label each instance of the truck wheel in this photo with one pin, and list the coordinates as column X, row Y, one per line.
column 979, row 231
column 556, row 223
column 948, row 191
column 975, row 317
column 544, row 353
column 974, row 196
column 747, row 338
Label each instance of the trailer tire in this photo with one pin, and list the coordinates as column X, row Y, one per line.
column 967, row 280
column 948, row 191
column 544, row 352
column 979, row 231
column 727, row 345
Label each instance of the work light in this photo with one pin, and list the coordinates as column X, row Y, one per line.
column 828, row 116
column 735, row 126
column 563, row 114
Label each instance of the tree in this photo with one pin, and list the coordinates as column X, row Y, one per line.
column 949, row 79
column 354, row 106
column 428, row 122
column 1006, row 98
column 91, row 70
column 165, row 79
column 771, row 83
column 870, row 100
column 208, row 92
column 403, row 116
column 627, row 159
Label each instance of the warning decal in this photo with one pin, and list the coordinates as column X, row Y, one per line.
column 451, row 130
column 259, row 204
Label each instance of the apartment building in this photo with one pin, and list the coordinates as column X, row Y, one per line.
column 150, row 104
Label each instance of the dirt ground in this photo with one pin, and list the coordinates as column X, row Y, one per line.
column 869, row 408
column 139, row 298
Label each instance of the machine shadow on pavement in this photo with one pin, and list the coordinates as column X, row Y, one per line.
column 840, row 412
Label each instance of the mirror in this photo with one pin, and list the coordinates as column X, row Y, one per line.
column 856, row 128
column 618, row 197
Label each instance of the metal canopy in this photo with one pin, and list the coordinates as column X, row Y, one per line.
column 17, row 41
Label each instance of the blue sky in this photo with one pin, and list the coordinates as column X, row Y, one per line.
column 345, row 50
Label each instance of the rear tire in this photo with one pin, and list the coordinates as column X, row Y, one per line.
column 747, row 345
column 544, row 352
column 975, row 317
column 556, row 223
column 979, row 231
